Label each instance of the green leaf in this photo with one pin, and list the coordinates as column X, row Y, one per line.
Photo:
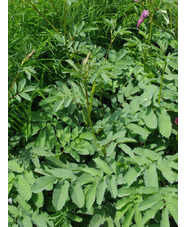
column 60, row 38
column 149, row 214
column 14, row 211
column 77, row 195
column 165, row 218
column 92, row 171
column 25, row 96
column 110, row 148
column 128, row 218
column 110, row 222
column 127, row 150
column 165, row 125
column 27, row 222
column 122, row 202
column 138, row 217
column 120, row 213
column 171, row 203
column 58, row 105
column 28, row 89
column 21, row 85
column 149, row 202
column 100, row 191
column 72, row 64
column 14, row 166
column 148, row 190
column 38, row 199
column 167, row 172
column 23, row 204
column 86, row 135
column 132, row 174
column 23, row 188
column 42, row 183
column 112, row 185
column 90, row 197
column 96, row 221
column 151, row 177
column 138, row 130
column 29, row 176
column 49, row 100
column 149, row 118
column 125, row 191
column 29, row 71
column 40, row 116
column 60, row 195
column 89, row 29
column 14, row 88
column 39, row 220
column 102, row 165
column 62, row 173
column 85, row 178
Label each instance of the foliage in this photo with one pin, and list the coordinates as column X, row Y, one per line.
column 92, row 108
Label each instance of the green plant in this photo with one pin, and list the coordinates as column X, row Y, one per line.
column 92, row 132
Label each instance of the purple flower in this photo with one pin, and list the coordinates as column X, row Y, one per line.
column 176, row 121
column 135, row 0
column 144, row 14
column 139, row 22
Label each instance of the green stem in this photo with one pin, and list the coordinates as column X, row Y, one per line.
column 13, row 83
column 92, row 94
column 57, row 12
column 65, row 29
column 112, row 40
column 84, row 112
column 35, row 8
column 67, row 34
column 100, row 97
column 88, row 110
column 150, row 34
column 162, row 82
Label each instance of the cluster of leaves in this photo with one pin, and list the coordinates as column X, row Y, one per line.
column 92, row 133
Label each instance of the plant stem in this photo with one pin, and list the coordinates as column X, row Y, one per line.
column 65, row 29
column 35, row 8
column 92, row 94
column 162, row 82
column 64, row 24
column 150, row 34
column 13, row 83
column 88, row 110
column 57, row 12
column 100, row 97
column 112, row 40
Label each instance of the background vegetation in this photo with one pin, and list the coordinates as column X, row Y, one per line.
column 93, row 112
